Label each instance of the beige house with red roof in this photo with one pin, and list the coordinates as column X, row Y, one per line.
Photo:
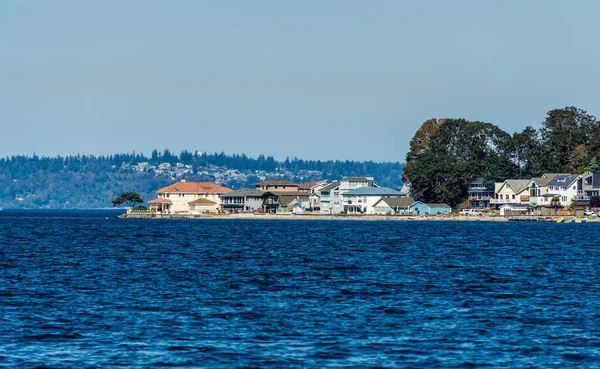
column 190, row 197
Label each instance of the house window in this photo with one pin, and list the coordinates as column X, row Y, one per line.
column 513, row 197
column 564, row 198
column 501, row 197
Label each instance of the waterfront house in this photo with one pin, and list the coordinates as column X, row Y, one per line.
column 393, row 205
column 589, row 186
column 182, row 193
column 330, row 198
column 244, row 200
column 565, row 187
column 314, row 202
column 292, row 203
column 538, row 189
column 347, row 184
column 363, row 199
column 511, row 191
column 422, row 208
column 480, row 194
column 270, row 203
column 277, row 185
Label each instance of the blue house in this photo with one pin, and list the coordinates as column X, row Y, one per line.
column 426, row 209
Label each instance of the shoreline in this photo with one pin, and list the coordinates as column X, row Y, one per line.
column 445, row 218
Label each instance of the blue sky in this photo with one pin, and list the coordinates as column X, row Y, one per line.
column 311, row 79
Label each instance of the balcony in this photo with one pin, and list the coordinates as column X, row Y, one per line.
column 503, row 201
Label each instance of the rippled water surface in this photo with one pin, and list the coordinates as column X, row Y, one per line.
column 86, row 290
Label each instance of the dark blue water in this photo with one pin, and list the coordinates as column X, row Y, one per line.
column 85, row 290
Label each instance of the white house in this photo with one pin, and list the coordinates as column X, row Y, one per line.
column 514, row 209
column 364, row 199
column 334, row 202
column 350, row 183
column 564, row 186
column 511, row 191
column 538, row 189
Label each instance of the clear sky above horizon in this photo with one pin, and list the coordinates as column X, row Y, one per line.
column 313, row 79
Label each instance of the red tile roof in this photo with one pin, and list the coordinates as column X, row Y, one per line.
column 194, row 187
column 160, row 200
column 202, row 202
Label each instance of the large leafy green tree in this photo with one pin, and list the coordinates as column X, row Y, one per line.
column 527, row 153
column 446, row 154
column 567, row 136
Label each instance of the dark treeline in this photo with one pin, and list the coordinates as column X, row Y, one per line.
column 88, row 181
column 445, row 154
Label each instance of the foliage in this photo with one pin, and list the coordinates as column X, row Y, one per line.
column 572, row 205
column 446, row 154
column 129, row 198
column 565, row 136
column 87, row 181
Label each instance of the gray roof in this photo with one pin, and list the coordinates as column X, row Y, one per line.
column 541, row 181
column 330, row 186
column 397, row 202
column 285, row 200
column 374, row 191
column 563, row 180
column 356, row 179
column 244, row 192
column 518, row 185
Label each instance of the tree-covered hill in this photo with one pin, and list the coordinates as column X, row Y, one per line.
column 87, row 181
column 445, row 154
